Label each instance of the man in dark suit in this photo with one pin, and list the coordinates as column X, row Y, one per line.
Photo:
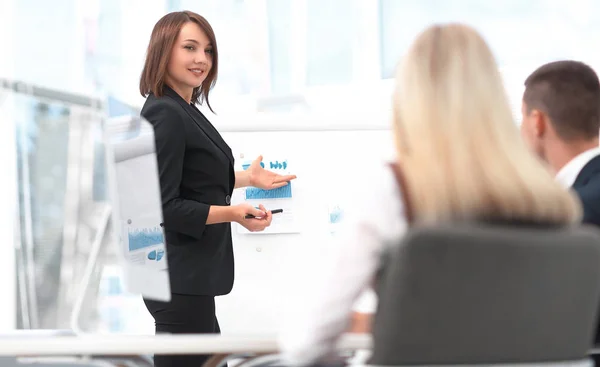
column 561, row 123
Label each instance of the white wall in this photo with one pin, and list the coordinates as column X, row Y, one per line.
column 329, row 164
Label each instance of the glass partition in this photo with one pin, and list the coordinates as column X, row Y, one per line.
column 42, row 130
column 61, row 200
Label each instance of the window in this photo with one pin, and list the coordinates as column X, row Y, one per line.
column 329, row 37
column 279, row 15
column 522, row 34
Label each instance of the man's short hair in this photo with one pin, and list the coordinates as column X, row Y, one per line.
column 568, row 92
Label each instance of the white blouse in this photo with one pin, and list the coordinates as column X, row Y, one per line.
column 311, row 325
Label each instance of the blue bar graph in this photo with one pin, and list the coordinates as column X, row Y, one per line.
column 139, row 239
column 259, row 194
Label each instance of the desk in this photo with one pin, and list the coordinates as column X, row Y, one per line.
column 120, row 345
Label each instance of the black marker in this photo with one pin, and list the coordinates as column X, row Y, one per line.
column 274, row 211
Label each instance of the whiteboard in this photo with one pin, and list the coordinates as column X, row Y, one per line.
column 330, row 166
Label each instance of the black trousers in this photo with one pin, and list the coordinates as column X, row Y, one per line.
column 184, row 314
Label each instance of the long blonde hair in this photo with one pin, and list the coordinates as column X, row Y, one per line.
column 458, row 146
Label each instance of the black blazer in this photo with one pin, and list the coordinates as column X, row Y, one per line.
column 587, row 187
column 196, row 171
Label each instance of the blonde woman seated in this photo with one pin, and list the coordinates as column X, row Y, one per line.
column 460, row 158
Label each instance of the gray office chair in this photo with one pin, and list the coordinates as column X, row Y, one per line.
column 488, row 294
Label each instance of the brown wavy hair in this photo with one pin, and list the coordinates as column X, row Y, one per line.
column 163, row 37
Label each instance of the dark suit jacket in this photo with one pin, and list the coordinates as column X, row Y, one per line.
column 196, row 171
column 587, row 186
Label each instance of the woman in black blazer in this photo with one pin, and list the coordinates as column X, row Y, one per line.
column 196, row 178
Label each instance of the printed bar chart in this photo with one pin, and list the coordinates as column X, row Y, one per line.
column 253, row 193
column 139, row 239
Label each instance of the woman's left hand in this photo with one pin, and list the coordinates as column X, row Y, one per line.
column 265, row 179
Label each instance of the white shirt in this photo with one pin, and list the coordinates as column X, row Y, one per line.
column 312, row 324
column 568, row 174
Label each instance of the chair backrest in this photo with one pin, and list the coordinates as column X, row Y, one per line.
column 469, row 294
